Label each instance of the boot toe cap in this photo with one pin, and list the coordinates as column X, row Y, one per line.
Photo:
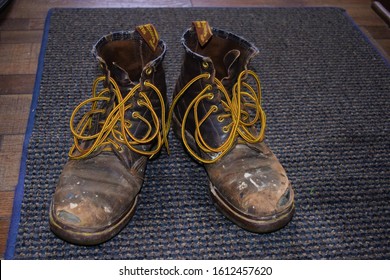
column 93, row 201
column 84, row 211
column 253, row 188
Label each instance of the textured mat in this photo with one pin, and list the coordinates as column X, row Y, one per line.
column 326, row 92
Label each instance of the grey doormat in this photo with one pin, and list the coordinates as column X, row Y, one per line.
column 326, row 92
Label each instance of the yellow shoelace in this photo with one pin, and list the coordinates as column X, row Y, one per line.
column 235, row 107
column 115, row 128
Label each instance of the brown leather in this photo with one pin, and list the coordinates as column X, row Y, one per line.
column 248, row 184
column 95, row 197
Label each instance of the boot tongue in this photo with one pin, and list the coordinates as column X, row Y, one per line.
column 150, row 36
column 121, row 77
column 233, row 67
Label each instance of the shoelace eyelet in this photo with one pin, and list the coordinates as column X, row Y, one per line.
column 225, row 129
column 149, row 71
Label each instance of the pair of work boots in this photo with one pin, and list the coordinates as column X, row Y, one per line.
column 216, row 112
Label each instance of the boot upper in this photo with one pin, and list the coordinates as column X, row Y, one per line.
column 222, row 58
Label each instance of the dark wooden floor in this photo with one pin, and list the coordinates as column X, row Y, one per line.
column 21, row 28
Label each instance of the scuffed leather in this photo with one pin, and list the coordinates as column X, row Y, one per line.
column 96, row 193
column 252, row 180
column 249, row 179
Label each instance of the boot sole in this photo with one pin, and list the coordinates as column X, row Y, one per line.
column 264, row 224
column 90, row 238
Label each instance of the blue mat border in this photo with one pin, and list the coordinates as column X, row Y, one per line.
column 19, row 190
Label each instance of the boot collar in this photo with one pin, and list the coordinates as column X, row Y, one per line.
column 117, row 72
column 236, row 58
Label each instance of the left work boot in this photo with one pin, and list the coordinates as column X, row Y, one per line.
column 216, row 111
column 97, row 192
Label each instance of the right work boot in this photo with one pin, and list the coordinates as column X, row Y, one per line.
column 216, row 111
column 115, row 132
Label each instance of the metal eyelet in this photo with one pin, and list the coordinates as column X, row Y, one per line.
column 135, row 114
column 149, row 71
column 211, row 97
column 214, row 108
column 205, row 64
column 139, row 102
column 220, row 119
column 225, row 129
column 210, row 87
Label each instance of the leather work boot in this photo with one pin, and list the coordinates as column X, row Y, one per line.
column 115, row 132
column 216, row 111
